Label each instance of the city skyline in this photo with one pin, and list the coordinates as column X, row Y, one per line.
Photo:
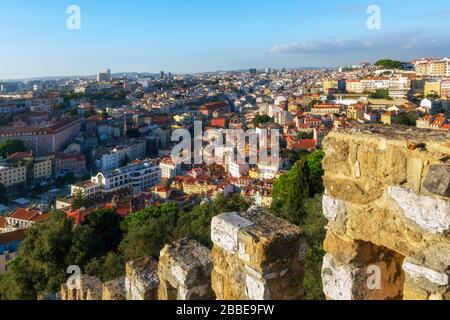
column 204, row 37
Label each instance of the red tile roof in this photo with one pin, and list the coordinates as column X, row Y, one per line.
column 20, row 155
column 2, row 223
column 25, row 214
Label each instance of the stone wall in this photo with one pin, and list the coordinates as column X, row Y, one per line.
column 387, row 200
column 84, row 288
column 141, row 280
column 256, row 257
column 184, row 272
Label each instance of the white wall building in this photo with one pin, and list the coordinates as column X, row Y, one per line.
column 237, row 170
column 139, row 177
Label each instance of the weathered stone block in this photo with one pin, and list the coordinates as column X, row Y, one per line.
column 264, row 260
column 141, row 281
column 84, row 288
column 361, row 192
column 225, row 229
column 378, row 280
column 438, row 180
column 184, row 271
column 382, row 209
column 114, row 290
column 433, row 215
column 332, row 207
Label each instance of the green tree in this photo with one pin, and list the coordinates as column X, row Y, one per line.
column 141, row 217
column 109, row 267
column 389, row 64
column 314, row 228
column 406, row 119
column 290, row 190
column 79, row 200
column 145, row 240
column 297, row 198
column 107, row 227
column 316, row 172
column 147, row 231
column 133, row 133
column 301, row 135
column 196, row 223
column 11, row 146
column 85, row 245
column 381, row 94
column 41, row 263
column 259, row 119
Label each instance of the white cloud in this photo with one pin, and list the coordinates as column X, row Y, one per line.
column 402, row 41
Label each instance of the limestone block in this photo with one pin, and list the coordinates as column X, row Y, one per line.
column 415, row 170
column 114, row 290
column 184, row 271
column 438, row 180
column 417, row 272
column 338, row 280
column 86, row 288
column 361, row 192
column 225, row 229
column 433, row 215
column 332, row 207
column 265, row 261
column 379, row 280
column 387, row 198
column 141, row 281
column 412, row 292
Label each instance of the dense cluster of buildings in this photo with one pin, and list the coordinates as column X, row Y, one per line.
column 112, row 134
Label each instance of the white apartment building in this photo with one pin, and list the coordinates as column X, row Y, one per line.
column 237, row 170
column 399, row 87
column 374, row 84
column 139, row 177
column 169, row 170
column 115, row 157
column 268, row 170
column 354, row 86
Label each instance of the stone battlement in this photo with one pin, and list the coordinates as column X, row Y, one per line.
column 255, row 256
column 387, row 200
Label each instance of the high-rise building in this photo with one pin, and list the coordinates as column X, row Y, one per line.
column 104, row 76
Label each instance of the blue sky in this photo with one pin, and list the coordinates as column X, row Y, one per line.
column 209, row 35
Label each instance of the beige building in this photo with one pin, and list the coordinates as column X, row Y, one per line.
column 445, row 89
column 326, row 109
column 432, row 88
column 13, row 178
column 354, row 86
column 433, row 67
column 43, row 140
column 355, row 112
column 43, row 170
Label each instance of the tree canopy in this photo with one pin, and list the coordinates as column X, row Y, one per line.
column 381, row 94
column 259, row 119
column 297, row 197
column 389, row 64
column 406, row 119
column 11, row 146
column 102, row 244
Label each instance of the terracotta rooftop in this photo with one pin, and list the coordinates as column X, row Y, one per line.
column 25, row 214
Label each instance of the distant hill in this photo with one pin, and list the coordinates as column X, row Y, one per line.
column 389, row 64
